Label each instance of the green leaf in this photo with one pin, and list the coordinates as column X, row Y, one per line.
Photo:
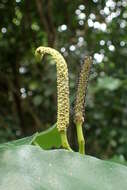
column 30, row 168
column 108, row 83
column 23, row 141
column 119, row 159
column 37, row 100
column 49, row 138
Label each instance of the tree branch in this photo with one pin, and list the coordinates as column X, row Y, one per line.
column 46, row 22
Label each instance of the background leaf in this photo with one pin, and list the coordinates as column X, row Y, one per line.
column 108, row 83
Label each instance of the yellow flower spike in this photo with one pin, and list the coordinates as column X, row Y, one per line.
column 62, row 91
column 80, row 101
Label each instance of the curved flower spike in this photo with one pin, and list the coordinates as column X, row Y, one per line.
column 62, row 90
column 80, row 100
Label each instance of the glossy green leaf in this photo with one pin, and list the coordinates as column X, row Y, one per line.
column 30, row 168
column 48, row 139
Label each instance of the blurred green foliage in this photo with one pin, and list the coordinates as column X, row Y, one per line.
column 76, row 28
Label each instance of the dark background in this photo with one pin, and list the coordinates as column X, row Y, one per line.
column 76, row 28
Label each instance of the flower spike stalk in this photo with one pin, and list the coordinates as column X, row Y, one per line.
column 62, row 91
column 80, row 101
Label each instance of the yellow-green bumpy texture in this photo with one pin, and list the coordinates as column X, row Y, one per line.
column 62, row 86
column 81, row 91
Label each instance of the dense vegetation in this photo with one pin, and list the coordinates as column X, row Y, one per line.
column 76, row 28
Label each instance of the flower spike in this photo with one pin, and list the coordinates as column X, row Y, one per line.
column 80, row 101
column 62, row 91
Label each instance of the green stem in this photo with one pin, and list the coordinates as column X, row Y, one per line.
column 64, row 140
column 81, row 140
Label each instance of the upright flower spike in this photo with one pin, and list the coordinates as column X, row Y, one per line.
column 81, row 90
column 80, row 101
column 62, row 91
